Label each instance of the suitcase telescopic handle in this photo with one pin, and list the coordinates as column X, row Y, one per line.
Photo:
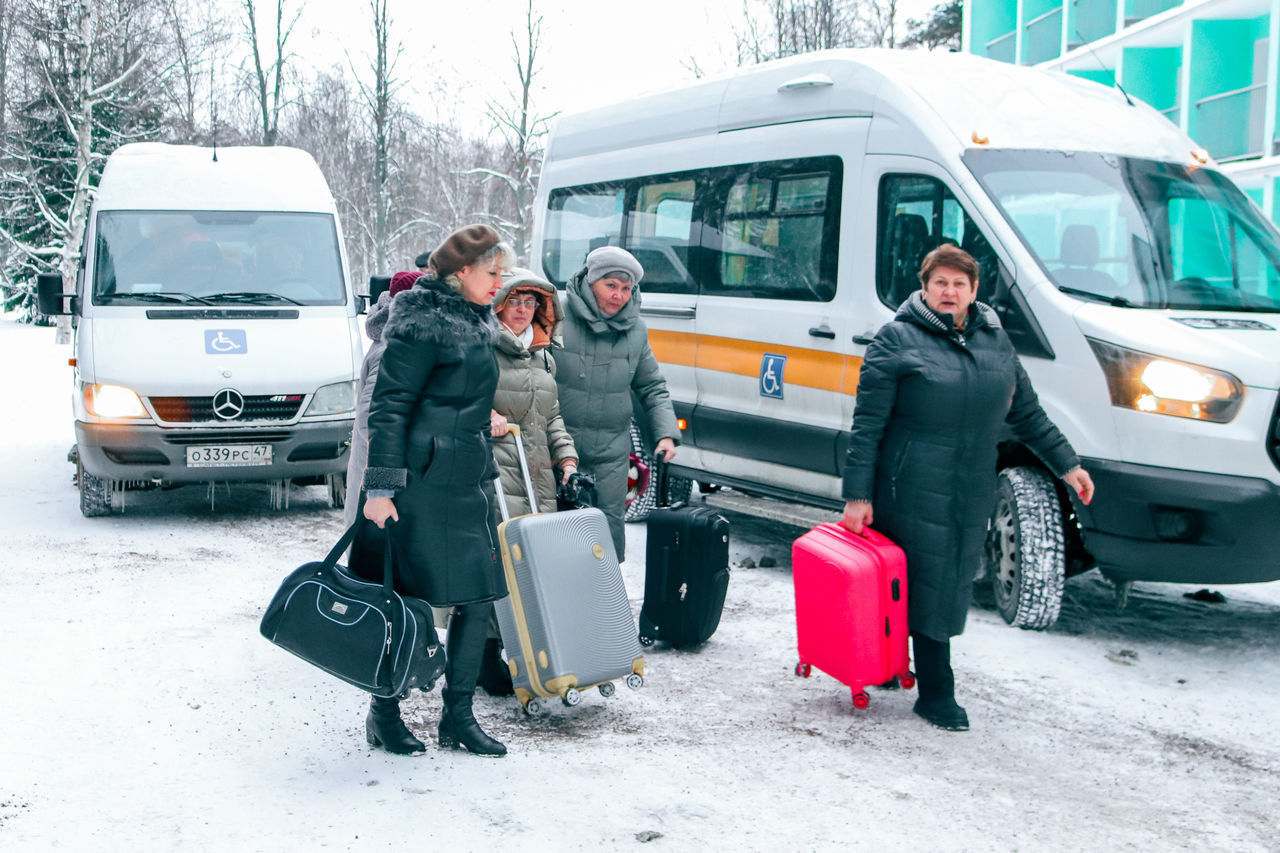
column 660, row 462
column 514, row 430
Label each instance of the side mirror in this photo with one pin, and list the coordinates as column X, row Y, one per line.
column 49, row 295
column 378, row 285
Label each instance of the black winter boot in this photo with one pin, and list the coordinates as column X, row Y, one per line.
column 383, row 727
column 495, row 678
column 937, row 685
column 465, row 648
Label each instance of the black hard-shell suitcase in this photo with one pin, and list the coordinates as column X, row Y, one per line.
column 686, row 572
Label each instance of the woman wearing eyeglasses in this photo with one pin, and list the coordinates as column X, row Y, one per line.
column 529, row 315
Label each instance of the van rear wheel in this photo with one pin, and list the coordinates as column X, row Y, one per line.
column 337, row 484
column 1025, row 557
column 642, row 481
column 95, row 493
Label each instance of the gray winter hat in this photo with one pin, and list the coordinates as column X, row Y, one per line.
column 610, row 261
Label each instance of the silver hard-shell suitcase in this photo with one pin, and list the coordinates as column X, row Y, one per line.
column 567, row 623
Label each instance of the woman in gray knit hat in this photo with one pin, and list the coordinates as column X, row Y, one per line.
column 431, row 469
column 605, row 360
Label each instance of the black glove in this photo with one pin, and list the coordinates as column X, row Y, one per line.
column 578, row 492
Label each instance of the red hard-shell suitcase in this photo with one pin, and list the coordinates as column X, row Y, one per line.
column 851, row 608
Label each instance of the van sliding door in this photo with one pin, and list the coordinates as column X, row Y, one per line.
column 772, row 339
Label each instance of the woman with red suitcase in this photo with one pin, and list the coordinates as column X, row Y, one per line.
column 939, row 385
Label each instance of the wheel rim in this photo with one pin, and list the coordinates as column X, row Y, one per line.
column 1002, row 554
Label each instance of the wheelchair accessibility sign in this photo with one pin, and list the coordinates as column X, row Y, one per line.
column 225, row 342
column 772, row 368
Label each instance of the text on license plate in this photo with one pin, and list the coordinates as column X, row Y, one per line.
column 228, row 455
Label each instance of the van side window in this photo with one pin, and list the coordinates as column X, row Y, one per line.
column 779, row 231
column 578, row 220
column 660, row 230
column 917, row 214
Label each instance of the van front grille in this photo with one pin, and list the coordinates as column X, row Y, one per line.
column 195, row 410
column 266, row 436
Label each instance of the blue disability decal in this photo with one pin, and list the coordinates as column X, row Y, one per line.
column 771, row 370
column 225, row 342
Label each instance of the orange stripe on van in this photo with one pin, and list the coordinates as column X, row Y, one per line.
column 811, row 368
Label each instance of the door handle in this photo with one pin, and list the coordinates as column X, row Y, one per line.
column 675, row 313
column 823, row 331
column 863, row 339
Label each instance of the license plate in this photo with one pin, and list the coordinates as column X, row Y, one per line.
column 228, row 455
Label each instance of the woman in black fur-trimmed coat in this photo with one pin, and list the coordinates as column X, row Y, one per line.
column 431, row 468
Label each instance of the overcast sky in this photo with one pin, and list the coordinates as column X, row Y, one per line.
column 594, row 51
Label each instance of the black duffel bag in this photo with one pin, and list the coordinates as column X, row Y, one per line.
column 365, row 633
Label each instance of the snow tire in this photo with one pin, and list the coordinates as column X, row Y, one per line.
column 96, row 498
column 1025, row 556
column 337, row 484
column 678, row 488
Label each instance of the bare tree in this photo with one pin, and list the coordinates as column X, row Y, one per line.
column 523, row 130
column 197, row 36
column 268, row 82
column 777, row 28
column 8, row 29
column 85, row 55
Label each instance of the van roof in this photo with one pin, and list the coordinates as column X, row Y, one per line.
column 948, row 97
column 157, row 176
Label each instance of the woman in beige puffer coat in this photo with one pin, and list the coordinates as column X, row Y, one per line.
column 530, row 317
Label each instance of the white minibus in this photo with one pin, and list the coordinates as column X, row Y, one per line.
column 781, row 215
column 215, row 325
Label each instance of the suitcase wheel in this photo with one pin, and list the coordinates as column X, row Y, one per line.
column 571, row 697
column 907, row 680
column 803, row 669
column 861, row 700
column 535, row 707
column 646, row 641
column 607, row 689
column 635, row 681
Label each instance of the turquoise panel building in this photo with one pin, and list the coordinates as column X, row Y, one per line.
column 1209, row 65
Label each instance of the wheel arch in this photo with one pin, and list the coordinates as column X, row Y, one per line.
column 1011, row 454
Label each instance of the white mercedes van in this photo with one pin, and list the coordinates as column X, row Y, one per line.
column 782, row 213
column 216, row 336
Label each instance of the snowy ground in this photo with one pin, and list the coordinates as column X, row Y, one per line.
column 143, row 711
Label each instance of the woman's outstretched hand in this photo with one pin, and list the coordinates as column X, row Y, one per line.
column 1081, row 483
column 857, row 515
column 378, row 510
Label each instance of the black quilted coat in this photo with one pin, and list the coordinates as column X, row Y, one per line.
column 428, row 440
column 932, row 405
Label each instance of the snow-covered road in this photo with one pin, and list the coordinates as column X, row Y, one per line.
column 143, row 711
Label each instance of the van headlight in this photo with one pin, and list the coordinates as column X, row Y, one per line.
column 1162, row 386
column 113, row 401
column 333, row 399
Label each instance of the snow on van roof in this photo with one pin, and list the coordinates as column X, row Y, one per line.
column 158, row 176
column 948, row 98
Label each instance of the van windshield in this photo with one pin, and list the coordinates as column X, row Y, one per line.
column 217, row 258
column 1136, row 233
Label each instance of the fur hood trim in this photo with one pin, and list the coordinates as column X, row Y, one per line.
column 429, row 312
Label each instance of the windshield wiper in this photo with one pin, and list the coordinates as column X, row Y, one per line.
column 157, row 296
column 1118, row 301
column 252, row 296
